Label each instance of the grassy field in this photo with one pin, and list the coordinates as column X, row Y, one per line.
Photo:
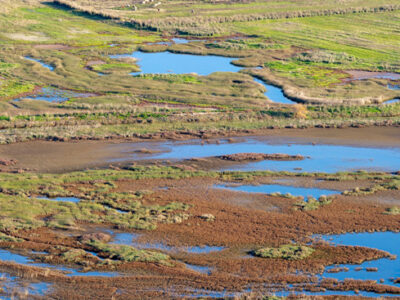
column 307, row 55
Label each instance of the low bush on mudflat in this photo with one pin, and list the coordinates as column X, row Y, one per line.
column 290, row 252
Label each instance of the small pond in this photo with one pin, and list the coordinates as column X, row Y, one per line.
column 175, row 63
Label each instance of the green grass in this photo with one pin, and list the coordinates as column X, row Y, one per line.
column 289, row 252
column 11, row 88
column 371, row 39
column 21, row 210
column 55, row 25
column 107, row 68
column 394, row 211
column 128, row 253
column 313, row 204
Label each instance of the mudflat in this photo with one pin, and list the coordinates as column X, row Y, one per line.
column 48, row 156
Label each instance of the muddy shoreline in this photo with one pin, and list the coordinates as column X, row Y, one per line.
column 49, row 156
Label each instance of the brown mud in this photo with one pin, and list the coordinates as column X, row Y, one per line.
column 48, row 156
column 238, row 227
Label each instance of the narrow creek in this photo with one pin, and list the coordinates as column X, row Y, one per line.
column 43, row 64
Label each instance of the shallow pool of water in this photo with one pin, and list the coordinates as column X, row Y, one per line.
column 175, row 63
column 61, row 199
column 323, row 157
column 131, row 240
column 12, row 284
column 199, row 269
column 50, row 94
column 387, row 268
column 277, row 188
column 51, row 68
column 8, row 256
column 167, row 62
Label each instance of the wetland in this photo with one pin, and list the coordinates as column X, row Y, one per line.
column 212, row 149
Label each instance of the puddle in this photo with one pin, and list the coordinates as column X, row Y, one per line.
column 323, row 157
column 386, row 268
column 283, row 189
column 175, row 63
column 11, row 284
column 131, row 240
column 199, row 269
column 9, row 256
column 50, row 94
column 51, row 68
column 60, row 199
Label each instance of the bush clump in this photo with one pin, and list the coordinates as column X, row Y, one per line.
column 289, row 252
column 128, row 253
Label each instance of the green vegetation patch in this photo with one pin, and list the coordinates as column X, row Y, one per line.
column 10, row 88
column 172, row 78
column 312, row 73
column 394, row 211
column 289, row 252
column 313, row 204
column 128, row 253
column 115, row 67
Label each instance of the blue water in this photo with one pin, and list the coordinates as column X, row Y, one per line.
column 175, row 63
column 283, row 189
column 387, row 268
column 180, row 41
column 394, row 87
column 336, row 293
column 51, row 68
column 392, row 101
column 199, row 269
column 167, row 62
column 50, row 94
column 130, row 239
column 323, row 157
column 9, row 256
column 14, row 283
column 61, row 199
column 274, row 93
